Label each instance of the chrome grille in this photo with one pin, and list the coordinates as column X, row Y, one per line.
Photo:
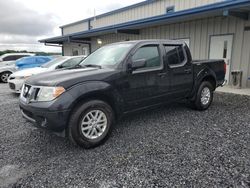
column 29, row 93
column 26, row 91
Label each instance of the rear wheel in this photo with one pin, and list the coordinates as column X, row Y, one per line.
column 4, row 76
column 204, row 96
column 90, row 123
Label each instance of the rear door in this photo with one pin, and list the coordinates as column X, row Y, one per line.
column 180, row 70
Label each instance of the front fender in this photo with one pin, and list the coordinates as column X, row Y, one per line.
column 6, row 70
column 96, row 89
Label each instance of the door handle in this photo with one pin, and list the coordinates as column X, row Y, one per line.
column 188, row 71
column 162, row 74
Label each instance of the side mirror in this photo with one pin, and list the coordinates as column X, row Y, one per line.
column 59, row 67
column 140, row 63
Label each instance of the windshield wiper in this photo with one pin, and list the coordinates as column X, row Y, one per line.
column 92, row 65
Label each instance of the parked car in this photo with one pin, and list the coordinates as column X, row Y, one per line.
column 33, row 61
column 10, row 57
column 118, row 79
column 17, row 79
column 26, row 62
column 6, row 71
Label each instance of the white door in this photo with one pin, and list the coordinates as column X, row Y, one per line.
column 85, row 51
column 221, row 48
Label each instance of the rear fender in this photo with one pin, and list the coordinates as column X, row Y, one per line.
column 206, row 72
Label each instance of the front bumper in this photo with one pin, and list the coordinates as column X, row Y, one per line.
column 44, row 118
column 16, row 85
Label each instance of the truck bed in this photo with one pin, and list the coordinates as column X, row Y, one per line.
column 217, row 65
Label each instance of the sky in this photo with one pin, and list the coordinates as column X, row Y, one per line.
column 24, row 22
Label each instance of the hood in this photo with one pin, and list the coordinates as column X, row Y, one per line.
column 70, row 77
column 29, row 72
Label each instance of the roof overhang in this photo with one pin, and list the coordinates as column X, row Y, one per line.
column 239, row 8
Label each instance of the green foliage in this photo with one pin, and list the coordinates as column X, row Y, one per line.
column 24, row 51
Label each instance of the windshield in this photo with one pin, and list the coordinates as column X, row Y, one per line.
column 53, row 62
column 108, row 56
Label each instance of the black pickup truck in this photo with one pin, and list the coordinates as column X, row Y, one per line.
column 115, row 80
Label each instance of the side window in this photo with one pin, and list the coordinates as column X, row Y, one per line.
column 13, row 57
column 9, row 58
column 150, row 54
column 175, row 55
column 21, row 56
column 41, row 60
column 72, row 62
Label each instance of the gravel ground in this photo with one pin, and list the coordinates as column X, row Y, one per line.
column 166, row 147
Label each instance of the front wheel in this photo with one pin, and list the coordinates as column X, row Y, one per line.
column 204, row 96
column 4, row 76
column 90, row 123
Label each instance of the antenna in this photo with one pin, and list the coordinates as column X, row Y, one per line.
column 94, row 15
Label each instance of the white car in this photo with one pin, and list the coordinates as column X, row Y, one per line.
column 17, row 79
column 10, row 57
column 6, row 71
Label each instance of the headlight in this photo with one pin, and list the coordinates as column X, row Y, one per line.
column 49, row 93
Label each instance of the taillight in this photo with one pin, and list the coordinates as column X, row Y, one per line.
column 225, row 68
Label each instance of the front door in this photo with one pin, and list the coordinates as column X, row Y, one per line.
column 221, row 48
column 149, row 85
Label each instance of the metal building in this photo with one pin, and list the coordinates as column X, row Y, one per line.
column 211, row 28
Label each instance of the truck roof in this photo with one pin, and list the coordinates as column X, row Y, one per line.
column 178, row 42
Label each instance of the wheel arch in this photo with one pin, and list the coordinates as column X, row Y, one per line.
column 211, row 79
column 102, row 96
column 5, row 71
column 204, row 75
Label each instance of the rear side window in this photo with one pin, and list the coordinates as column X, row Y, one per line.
column 175, row 55
column 10, row 58
column 13, row 57
column 150, row 54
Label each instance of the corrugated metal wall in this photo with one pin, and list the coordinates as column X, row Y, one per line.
column 76, row 28
column 199, row 33
column 153, row 9
column 149, row 10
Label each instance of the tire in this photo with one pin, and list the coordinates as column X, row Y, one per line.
column 88, row 130
column 204, row 96
column 4, row 76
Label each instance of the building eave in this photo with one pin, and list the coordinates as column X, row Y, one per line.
column 205, row 11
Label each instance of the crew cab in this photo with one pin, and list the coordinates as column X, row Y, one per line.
column 115, row 80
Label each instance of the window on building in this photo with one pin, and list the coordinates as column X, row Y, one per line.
column 150, row 54
column 75, row 52
column 170, row 9
column 175, row 55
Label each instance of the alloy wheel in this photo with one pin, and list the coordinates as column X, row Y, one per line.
column 93, row 124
